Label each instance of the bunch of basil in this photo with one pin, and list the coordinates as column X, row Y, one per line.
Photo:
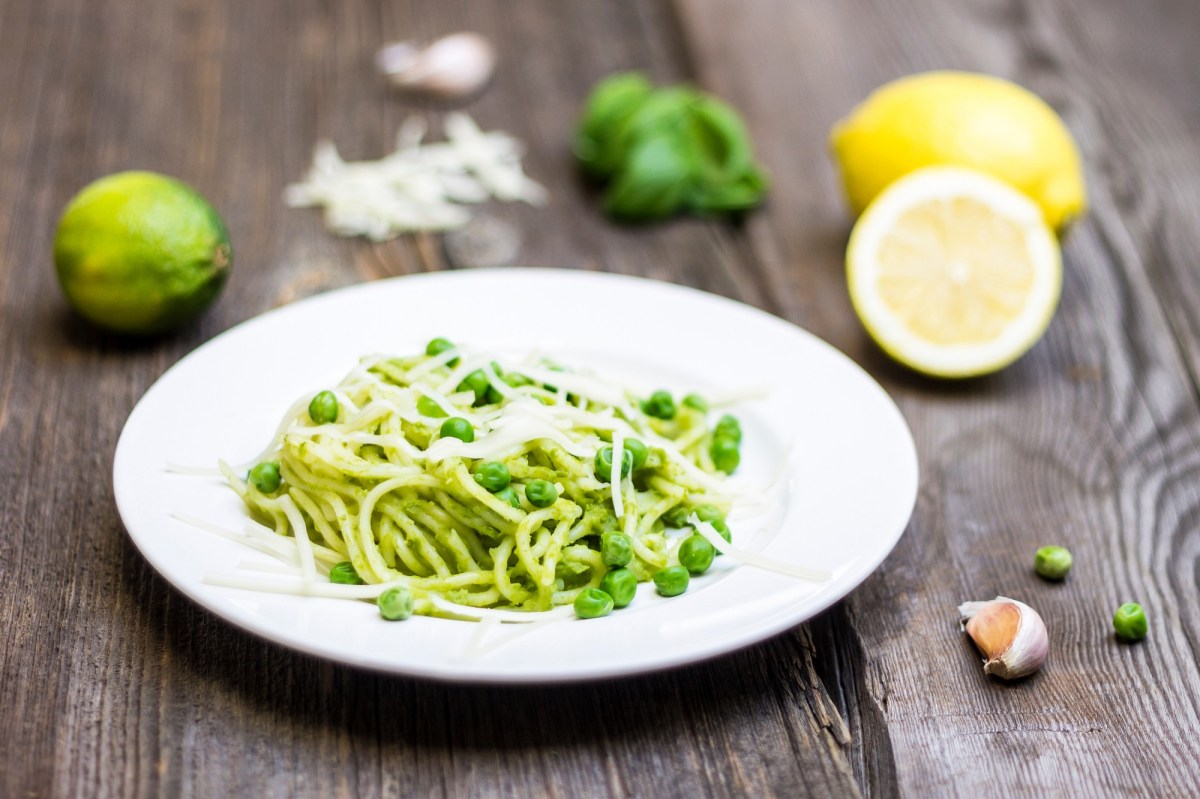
column 662, row 151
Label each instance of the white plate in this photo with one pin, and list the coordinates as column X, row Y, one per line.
column 846, row 496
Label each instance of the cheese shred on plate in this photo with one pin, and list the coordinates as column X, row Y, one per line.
column 385, row 488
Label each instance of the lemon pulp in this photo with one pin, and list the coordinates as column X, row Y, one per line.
column 954, row 271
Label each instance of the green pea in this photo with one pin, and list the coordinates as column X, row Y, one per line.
column 427, row 407
column 604, row 463
column 1130, row 622
column 541, row 493
column 696, row 554
column 509, row 496
column 710, row 514
column 729, row 427
column 458, row 427
column 324, row 408
column 395, row 604
column 1052, row 562
column 696, row 402
column 615, row 549
column 516, row 381
column 671, row 581
column 677, row 516
column 439, row 345
column 492, row 475
column 621, row 585
column 344, row 574
column 725, row 454
column 265, row 476
column 476, row 382
column 638, row 449
column 492, row 396
column 592, row 603
column 660, row 405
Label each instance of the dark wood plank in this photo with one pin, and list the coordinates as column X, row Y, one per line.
column 1091, row 440
column 111, row 684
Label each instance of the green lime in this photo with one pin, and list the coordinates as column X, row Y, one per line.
column 139, row 252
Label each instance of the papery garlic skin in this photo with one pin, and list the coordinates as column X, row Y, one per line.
column 1010, row 634
column 454, row 66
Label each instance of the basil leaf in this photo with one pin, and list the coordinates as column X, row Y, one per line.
column 740, row 194
column 720, row 140
column 662, row 113
column 611, row 104
column 660, row 117
column 666, row 150
column 654, row 183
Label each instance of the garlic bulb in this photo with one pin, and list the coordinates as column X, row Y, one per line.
column 454, row 66
column 1010, row 634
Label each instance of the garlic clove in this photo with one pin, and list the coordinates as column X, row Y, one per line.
column 396, row 58
column 454, row 66
column 1010, row 634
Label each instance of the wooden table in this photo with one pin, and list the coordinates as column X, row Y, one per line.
column 112, row 684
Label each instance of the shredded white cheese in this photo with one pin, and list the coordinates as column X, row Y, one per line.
column 516, row 432
column 448, row 408
column 755, row 559
column 502, row 388
column 435, row 362
column 614, row 477
column 240, row 538
column 459, row 373
column 308, row 566
column 419, row 186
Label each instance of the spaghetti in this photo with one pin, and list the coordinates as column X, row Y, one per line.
column 387, row 489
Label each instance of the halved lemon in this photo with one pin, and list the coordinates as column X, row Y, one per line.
column 953, row 272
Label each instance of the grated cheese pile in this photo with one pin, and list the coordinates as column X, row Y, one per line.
column 419, row 186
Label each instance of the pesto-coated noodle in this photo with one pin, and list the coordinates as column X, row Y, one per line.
column 381, row 488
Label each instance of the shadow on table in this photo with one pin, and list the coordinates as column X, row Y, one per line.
column 62, row 328
column 223, row 669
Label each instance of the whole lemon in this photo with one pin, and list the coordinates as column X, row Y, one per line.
column 961, row 119
column 140, row 252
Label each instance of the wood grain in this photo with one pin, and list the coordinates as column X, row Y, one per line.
column 112, row 684
column 1089, row 441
